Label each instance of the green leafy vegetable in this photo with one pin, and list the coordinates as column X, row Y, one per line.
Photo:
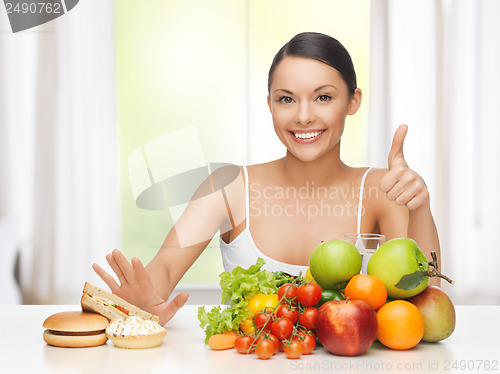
column 237, row 287
column 218, row 320
column 241, row 284
column 282, row 278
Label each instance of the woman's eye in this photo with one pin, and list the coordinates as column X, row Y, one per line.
column 324, row 98
column 285, row 100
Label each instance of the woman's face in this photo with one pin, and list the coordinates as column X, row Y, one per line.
column 309, row 102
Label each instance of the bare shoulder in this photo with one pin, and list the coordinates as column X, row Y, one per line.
column 355, row 175
column 269, row 172
column 373, row 193
column 375, row 175
column 220, row 179
column 266, row 167
column 222, row 190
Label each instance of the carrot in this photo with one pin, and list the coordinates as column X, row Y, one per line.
column 222, row 341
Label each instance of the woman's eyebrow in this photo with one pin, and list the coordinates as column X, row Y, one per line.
column 316, row 90
column 324, row 86
column 285, row 91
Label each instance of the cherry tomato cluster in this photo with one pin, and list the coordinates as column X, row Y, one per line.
column 287, row 327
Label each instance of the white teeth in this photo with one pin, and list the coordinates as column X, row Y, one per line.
column 307, row 135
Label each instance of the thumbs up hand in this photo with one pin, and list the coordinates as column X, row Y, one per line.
column 401, row 184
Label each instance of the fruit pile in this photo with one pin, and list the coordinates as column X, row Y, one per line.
column 333, row 303
column 392, row 303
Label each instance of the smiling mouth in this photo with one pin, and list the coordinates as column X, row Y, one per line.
column 307, row 135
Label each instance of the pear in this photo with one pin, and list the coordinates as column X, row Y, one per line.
column 438, row 312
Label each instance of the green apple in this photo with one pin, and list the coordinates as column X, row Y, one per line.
column 438, row 312
column 395, row 259
column 333, row 263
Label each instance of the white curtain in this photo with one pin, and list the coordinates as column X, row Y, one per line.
column 435, row 66
column 58, row 134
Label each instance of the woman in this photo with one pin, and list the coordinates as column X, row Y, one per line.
column 281, row 210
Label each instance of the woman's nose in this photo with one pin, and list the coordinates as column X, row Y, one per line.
column 304, row 114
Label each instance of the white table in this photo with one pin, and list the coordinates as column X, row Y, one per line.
column 22, row 350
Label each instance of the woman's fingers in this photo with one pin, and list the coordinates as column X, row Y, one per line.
column 418, row 201
column 405, row 197
column 401, row 184
column 124, row 270
column 172, row 307
column 136, row 284
column 108, row 279
column 116, row 268
column 396, row 157
column 411, row 194
column 141, row 275
column 388, row 181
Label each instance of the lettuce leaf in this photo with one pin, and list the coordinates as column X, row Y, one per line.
column 219, row 319
column 241, row 284
column 237, row 287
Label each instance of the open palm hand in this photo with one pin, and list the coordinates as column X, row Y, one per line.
column 136, row 287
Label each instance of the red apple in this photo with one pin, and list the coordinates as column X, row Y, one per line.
column 438, row 312
column 346, row 327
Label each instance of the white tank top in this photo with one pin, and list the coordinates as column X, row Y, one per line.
column 242, row 251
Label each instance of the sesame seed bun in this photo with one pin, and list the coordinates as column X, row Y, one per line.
column 75, row 329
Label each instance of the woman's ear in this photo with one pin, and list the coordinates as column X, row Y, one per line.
column 269, row 104
column 354, row 102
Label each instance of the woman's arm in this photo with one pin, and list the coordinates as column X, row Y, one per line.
column 187, row 239
column 218, row 204
column 422, row 229
column 149, row 287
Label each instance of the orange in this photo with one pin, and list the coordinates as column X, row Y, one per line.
column 400, row 325
column 368, row 288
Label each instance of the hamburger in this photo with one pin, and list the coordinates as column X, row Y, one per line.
column 75, row 329
column 95, row 299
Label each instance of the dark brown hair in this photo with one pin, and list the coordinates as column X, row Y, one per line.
column 318, row 47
